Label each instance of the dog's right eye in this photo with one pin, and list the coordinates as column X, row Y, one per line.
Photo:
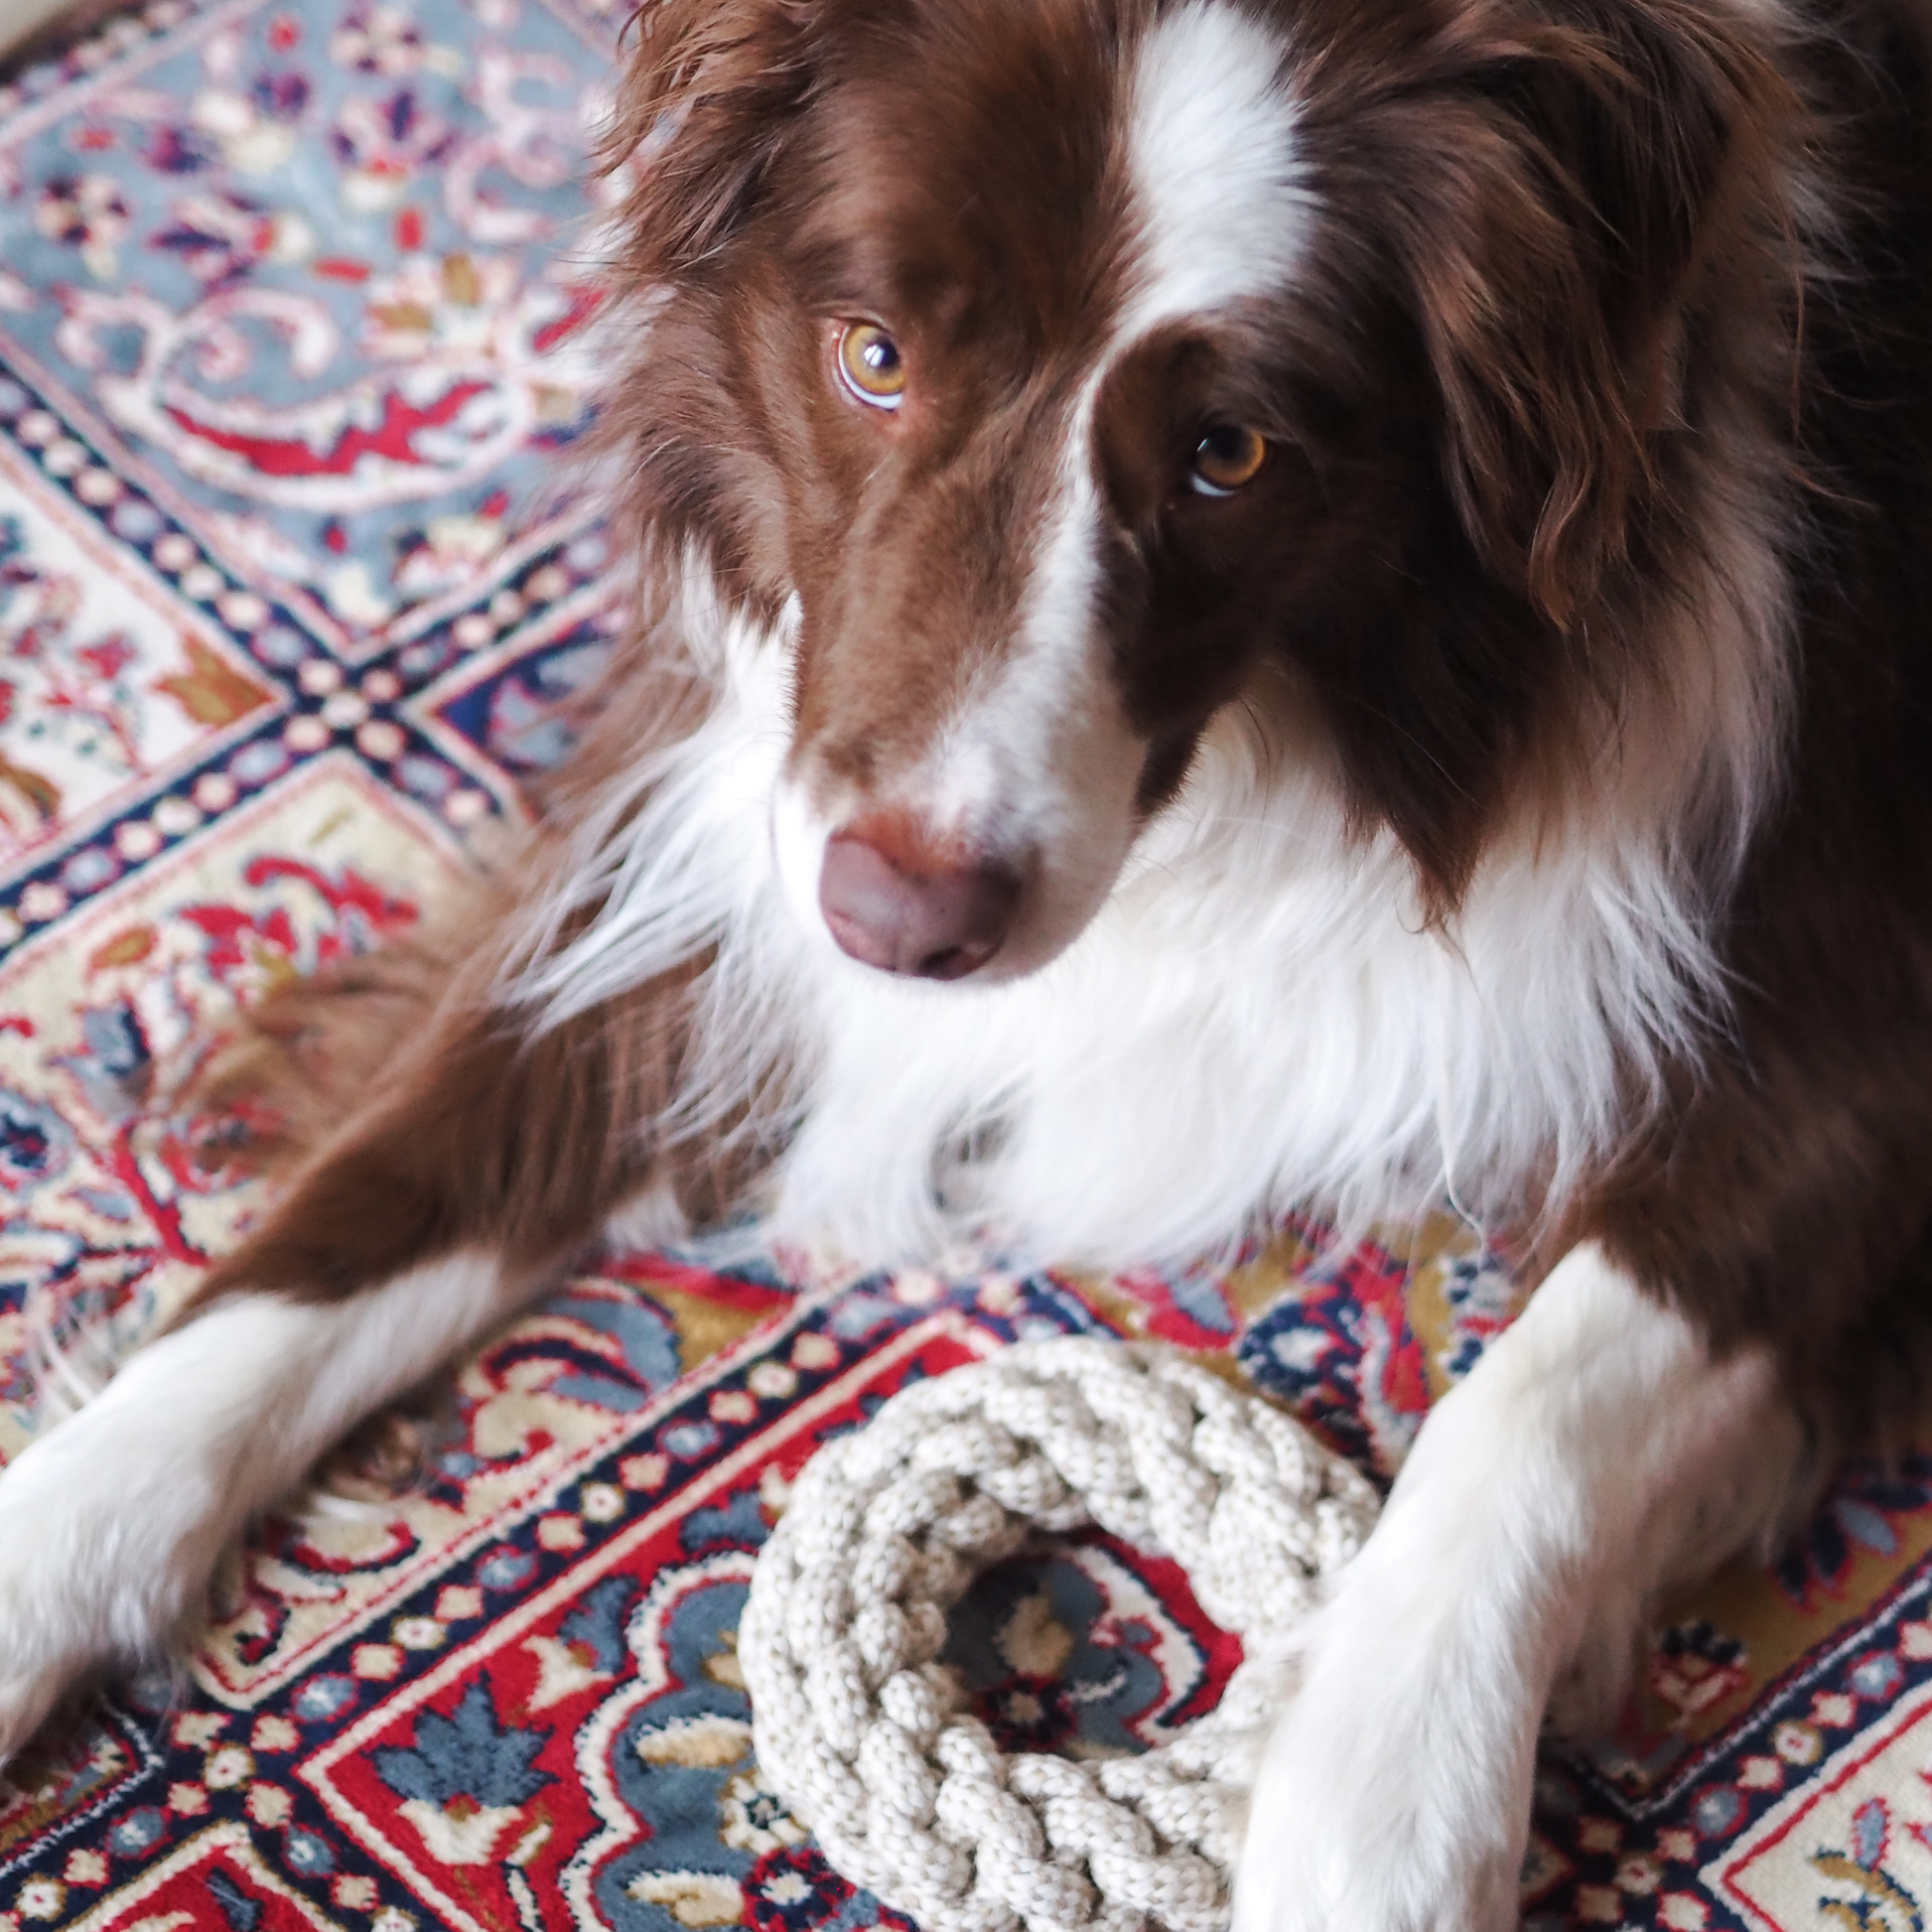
column 870, row 364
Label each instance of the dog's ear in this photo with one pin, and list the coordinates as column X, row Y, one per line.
column 709, row 91
column 1584, row 175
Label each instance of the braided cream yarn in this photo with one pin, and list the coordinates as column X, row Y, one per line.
column 864, row 1733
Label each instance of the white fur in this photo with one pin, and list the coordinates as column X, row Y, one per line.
column 1595, row 1455
column 111, row 1522
column 1213, row 153
column 1041, row 754
column 676, row 872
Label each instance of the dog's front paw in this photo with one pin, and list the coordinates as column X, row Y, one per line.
column 44, row 1623
column 94, row 1568
column 1394, row 1796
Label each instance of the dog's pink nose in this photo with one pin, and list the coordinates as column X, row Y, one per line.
column 893, row 902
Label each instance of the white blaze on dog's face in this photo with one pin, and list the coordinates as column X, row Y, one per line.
column 1064, row 365
column 983, row 402
column 961, row 799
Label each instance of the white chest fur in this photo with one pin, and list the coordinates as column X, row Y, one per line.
column 1256, row 1017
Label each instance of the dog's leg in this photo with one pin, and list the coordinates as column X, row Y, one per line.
column 487, row 1149
column 111, row 1523
column 1596, row 1453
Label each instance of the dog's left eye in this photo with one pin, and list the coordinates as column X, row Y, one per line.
column 1228, row 456
column 871, row 366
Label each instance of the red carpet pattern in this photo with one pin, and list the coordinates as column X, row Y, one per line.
column 293, row 298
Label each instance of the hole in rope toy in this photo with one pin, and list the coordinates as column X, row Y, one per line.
column 867, row 1736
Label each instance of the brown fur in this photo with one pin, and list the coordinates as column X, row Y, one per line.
column 1785, row 1193
column 474, row 1132
column 416, row 1112
column 67, row 29
column 1613, row 158
column 1577, row 276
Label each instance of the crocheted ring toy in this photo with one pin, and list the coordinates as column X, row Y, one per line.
column 865, row 1734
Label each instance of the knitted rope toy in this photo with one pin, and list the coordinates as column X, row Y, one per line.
column 863, row 1732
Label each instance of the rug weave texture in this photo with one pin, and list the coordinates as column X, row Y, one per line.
column 293, row 306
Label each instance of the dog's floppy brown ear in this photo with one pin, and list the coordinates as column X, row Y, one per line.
column 707, row 95
column 1585, row 171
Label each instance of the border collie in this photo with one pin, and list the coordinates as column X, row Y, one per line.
column 1242, row 602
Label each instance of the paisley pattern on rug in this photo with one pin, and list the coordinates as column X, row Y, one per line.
column 295, row 305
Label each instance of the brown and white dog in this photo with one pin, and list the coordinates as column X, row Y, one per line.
column 1244, row 601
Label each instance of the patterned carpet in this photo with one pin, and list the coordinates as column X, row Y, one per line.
column 289, row 297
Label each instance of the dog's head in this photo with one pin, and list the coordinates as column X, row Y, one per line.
column 1074, row 368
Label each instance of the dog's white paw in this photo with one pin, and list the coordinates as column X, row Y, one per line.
column 1394, row 1796
column 37, row 1668
column 95, row 1566
column 43, row 1630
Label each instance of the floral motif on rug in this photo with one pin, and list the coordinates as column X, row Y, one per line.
column 293, row 302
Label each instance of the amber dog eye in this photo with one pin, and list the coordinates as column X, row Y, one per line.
column 870, row 364
column 1226, row 459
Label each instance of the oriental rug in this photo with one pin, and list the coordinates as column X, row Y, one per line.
column 292, row 307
